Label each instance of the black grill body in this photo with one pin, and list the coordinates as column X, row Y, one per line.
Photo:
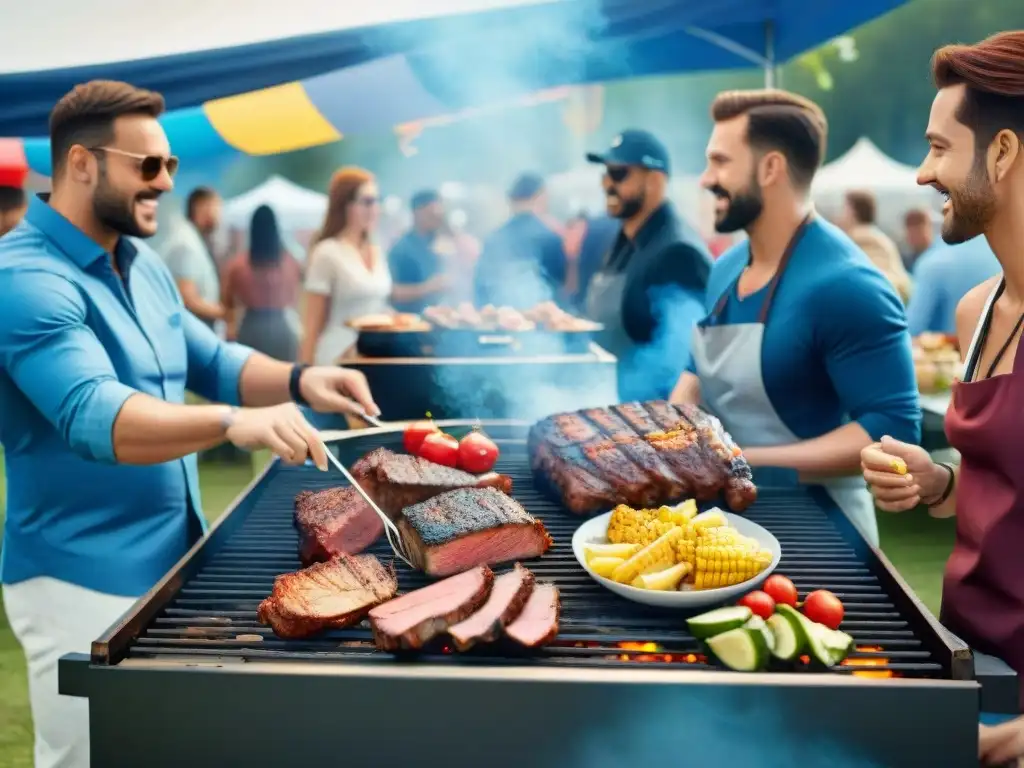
column 191, row 677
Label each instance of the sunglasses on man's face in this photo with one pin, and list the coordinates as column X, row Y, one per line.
column 149, row 166
column 617, row 173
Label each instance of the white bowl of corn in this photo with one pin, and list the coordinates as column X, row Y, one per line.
column 675, row 557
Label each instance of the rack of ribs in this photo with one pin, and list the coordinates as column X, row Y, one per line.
column 640, row 454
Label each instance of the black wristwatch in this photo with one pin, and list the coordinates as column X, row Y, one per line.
column 293, row 384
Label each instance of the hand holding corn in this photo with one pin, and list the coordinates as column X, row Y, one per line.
column 674, row 547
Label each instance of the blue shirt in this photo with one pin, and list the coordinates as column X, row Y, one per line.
column 412, row 261
column 836, row 346
column 522, row 263
column 76, row 342
column 942, row 275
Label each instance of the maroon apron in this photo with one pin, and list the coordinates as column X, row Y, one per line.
column 983, row 589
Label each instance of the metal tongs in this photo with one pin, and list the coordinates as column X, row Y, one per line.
column 392, row 532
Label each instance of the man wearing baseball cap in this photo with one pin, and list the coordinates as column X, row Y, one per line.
column 649, row 291
column 417, row 271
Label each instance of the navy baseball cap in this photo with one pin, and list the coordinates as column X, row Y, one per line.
column 635, row 147
column 526, row 187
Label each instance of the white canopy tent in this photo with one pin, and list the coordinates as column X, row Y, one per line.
column 297, row 208
column 865, row 166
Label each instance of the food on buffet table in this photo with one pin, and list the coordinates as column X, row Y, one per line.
column 598, row 458
column 399, row 321
column 334, row 594
column 477, row 452
column 896, row 464
column 537, row 625
column 781, row 590
column 825, row 608
column 508, row 596
column 336, row 521
column 937, row 362
column 409, row 621
column 460, row 529
column 416, row 433
column 676, row 548
column 546, row 316
column 440, row 448
column 746, row 642
column 396, row 480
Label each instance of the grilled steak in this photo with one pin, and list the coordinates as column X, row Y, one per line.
column 336, row 521
column 461, row 529
column 414, row 618
column 537, row 624
column 641, row 454
column 398, row 480
column 508, row 596
column 334, row 594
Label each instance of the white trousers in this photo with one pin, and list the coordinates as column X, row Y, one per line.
column 51, row 618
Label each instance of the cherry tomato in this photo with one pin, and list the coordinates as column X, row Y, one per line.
column 477, row 453
column 824, row 608
column 440, row 449
column 781, row 590
column 414, row 434
column 760, row 603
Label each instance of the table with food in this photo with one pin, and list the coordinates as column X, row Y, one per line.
column 937, row 365
column 611, row 569
column 488, row 362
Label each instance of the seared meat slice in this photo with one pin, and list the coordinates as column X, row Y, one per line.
column 334, row 594
column 508, row 596
column 414, row 618
column 336, row 521
column 665, row 483
column 740, row 491
column 398, row 480
column 708, row 474
column 538, row 623
column 637, row 417
column 467, row 527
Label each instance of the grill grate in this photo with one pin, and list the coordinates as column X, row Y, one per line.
column 213, row 615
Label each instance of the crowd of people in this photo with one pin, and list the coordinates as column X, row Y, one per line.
column 797, row 338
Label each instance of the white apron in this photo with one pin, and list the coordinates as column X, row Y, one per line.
column 728, row 363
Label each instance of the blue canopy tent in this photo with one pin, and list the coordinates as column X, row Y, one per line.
column 314, row 89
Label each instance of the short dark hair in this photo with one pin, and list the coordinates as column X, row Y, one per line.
column 917, row 217
column 195, row 198
column 863, row 205
column 11, row 198
column 85, row 115
column 993, row 72
column 782, row 121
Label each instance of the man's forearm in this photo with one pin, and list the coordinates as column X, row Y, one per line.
column 151, row 431
column 948, row 507
column 686, row 390
column 835, row 453
column 264, row 381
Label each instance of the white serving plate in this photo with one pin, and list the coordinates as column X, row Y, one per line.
column 595, row 531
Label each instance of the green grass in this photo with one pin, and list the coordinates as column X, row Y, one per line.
column 916, row 544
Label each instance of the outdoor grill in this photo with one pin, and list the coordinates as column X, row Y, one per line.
column 189, row 677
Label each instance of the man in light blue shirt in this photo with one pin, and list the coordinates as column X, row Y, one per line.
column 96, row 352
column 942, row 275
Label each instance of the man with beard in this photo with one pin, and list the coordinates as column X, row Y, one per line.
column 976, row 160
column 649, row 289
column 805, row 355
column 96, row 351
column 189, row 256
column 416, row 267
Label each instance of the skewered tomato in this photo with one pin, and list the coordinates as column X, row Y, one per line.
column 761, row 604
column 781, row 590
column 440, row 449
column 824, row 608
column 414, row 434
column 477, row 453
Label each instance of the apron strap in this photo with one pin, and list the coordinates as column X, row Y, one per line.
column 980, row 332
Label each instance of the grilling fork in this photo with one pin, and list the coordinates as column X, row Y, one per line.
column 392, row 532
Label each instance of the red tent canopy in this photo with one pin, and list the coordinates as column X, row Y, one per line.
column 13, row 165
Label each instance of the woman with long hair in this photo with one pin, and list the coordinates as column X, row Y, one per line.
column 346, row 275
column 263, row 288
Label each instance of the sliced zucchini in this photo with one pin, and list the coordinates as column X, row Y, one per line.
column 742, row 649
column 718, row 621
column 788, row 634
column 758, row 624
column 839, row 644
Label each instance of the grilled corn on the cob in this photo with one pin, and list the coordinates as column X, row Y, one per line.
column 658, row 552
column 722, row 565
